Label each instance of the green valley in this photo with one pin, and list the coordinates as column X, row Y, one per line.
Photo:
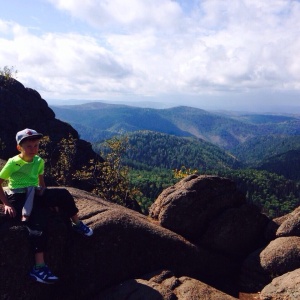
column 259, row 152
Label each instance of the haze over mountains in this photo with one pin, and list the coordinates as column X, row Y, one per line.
column 96, row 121
column 277, row 104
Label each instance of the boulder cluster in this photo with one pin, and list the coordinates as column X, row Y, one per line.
column 201, row 240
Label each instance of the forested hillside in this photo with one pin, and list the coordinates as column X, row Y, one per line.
column 153, row 157
column 155, row 149
column 260, row 148
column 259, row 152
column 286, row 164
column 274, row 194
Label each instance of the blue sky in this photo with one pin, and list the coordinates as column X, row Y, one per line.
column 212, row 54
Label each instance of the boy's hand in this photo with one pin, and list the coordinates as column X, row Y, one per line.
column 9, row 210
column 40, row 190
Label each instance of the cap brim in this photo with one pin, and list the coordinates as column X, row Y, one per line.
column 31, row 137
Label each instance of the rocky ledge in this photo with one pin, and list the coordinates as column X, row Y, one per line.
column 201, row 239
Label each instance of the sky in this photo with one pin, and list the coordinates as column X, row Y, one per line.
column 211, row 54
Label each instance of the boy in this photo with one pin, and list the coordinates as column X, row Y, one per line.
column 28, row 199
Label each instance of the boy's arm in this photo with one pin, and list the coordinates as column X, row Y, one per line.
column 42, row 181
column 42, row 184
column 8, row 209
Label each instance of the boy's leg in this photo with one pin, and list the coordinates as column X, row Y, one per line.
column 17, row 201
column 37, row 236
column 61, row 198
column 27, row 208
column 36, row 224
column 38, row 233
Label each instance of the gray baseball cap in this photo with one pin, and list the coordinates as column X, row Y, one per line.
column 27, row 133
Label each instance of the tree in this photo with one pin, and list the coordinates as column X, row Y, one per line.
column 8, row 74
column 59, row 158
column 184, row 172
column 110, row 178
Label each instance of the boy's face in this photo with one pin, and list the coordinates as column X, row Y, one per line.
column 29, row 148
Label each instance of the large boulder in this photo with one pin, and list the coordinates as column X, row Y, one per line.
column 283, row 287
column 281, row 256
column 286, row 225
column 272, row 268
column 163, row 285
column 272, row 227
column 236, row 232
column 253, row 278
column 125, row 245
column 212, row 213
column 290, row 227
column 189, row 206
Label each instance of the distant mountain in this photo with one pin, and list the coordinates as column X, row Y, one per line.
column 98, row 121
column 262, row 118
column 149, row 104
column 116, row 118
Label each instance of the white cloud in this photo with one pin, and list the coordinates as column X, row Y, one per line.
column 160, row 47
column 65, row 63
column 3, row 26
column 131, row 13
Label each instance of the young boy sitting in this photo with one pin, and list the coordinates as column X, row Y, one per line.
column 28, row 199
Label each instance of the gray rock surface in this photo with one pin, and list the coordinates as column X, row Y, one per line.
column 285, row 287
column 163, row 285
column 226, row 233
column 125, row 244
column 290, row 227
column 281, row 256
column 189, row 206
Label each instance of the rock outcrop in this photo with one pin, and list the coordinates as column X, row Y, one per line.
column 279, row 257
column 125, row 245
column 270, row 267
column 189, row 206
column 21, row 108
column 163, row 285
column 284, row 287
column 290, row 225
column 211, row 212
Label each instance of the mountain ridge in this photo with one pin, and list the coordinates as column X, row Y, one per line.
column 106, row 120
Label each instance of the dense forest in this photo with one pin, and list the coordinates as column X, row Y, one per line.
column 263, row 147
column 154, row 158
column 260, row 152
column 155, row 149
